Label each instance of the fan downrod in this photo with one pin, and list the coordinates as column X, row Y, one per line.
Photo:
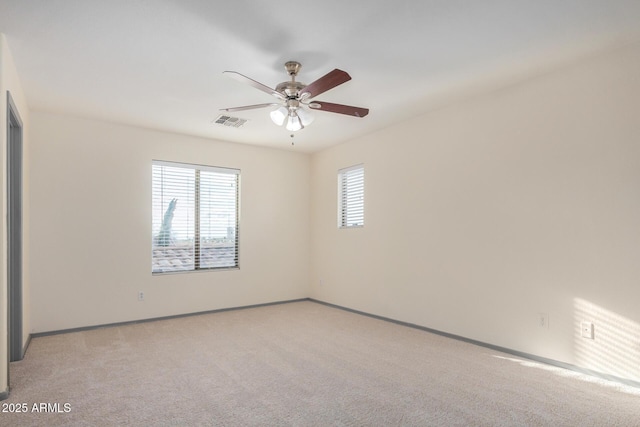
column 291, row 88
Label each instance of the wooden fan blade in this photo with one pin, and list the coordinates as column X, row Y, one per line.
column 244, row 79
column 249, row 107
column 328, row 81
column 339, row 108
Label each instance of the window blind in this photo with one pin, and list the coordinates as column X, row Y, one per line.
column 351, row 197
column 194, row 217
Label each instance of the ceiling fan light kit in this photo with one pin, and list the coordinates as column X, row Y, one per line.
column 294, row 108
column 294, row 123
column 279, row 115
column 306, row 116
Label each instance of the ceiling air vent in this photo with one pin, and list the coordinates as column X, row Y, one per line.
column 235, row 122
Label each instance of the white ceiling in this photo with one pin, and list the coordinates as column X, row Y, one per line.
column 159, row 63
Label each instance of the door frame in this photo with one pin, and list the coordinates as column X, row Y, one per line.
column 14, row 231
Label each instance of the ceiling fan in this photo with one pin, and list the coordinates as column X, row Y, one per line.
column 295, row 98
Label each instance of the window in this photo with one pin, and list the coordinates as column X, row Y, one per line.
column 195, row 217
column 351, row 197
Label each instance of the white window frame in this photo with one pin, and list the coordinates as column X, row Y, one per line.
column 351, row 197
column 194, row 245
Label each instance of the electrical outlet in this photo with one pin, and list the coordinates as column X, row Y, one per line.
column 586, row 330
column 140, row 296
column 543, row 320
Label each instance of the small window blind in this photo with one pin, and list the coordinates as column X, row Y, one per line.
column 351, row 197
column 195, row 217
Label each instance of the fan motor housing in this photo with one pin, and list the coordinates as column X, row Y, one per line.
column 290, row 89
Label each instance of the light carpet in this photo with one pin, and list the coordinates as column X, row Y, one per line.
column 297, row 364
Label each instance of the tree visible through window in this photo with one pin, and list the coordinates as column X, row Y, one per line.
column 195, row 217
column 351, row 197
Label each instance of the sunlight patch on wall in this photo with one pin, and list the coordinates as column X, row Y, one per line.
column 615, row 346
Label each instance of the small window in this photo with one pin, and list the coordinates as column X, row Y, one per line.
column 195, row 217
column 351, row 197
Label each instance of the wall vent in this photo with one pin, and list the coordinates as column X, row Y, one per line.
column 235, row 122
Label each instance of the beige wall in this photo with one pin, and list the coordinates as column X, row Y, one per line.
column 9, row 81
column 483, row 215
column 91, row 225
